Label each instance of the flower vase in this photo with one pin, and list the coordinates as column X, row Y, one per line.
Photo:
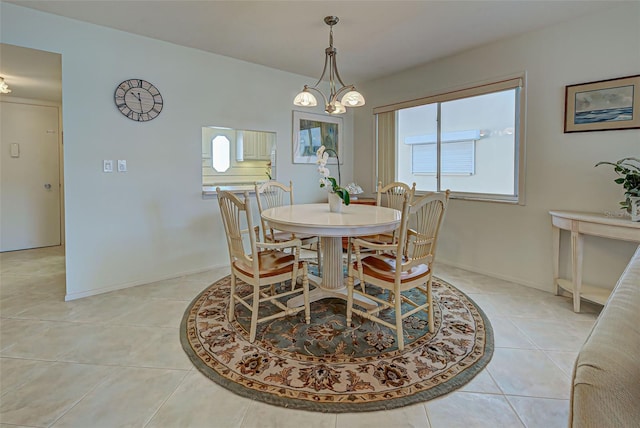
column 335, row 203
column 634, row 203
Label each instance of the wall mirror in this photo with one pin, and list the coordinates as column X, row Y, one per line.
column 235, row 159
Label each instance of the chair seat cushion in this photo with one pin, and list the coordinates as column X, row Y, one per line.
column 270, row 263
column 383, row 266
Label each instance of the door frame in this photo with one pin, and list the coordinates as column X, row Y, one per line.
column 58, row 106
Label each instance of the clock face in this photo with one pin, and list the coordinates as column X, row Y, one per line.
column 138, row 99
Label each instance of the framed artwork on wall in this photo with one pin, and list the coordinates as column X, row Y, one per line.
column 603, row 105
column 312, row 130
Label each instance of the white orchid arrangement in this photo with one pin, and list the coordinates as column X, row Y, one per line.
column 326, row 180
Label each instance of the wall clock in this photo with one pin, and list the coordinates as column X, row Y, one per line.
column 138, row 99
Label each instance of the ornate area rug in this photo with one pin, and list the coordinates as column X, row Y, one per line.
column 327, row 366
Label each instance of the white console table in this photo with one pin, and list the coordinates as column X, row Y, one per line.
column 579, row 224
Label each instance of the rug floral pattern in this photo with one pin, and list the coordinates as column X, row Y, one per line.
column 329, row 366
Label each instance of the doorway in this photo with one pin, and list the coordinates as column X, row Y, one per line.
column 29, row 182
column 31, row 185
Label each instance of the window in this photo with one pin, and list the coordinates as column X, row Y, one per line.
column 468, row 141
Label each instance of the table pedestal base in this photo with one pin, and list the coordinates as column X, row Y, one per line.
column 332, row 282
column 321, row 292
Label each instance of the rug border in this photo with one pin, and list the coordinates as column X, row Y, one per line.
column 392, row 403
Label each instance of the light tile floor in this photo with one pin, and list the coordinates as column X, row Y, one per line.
column 115, row 360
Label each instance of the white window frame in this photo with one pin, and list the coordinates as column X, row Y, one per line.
column 386, row 172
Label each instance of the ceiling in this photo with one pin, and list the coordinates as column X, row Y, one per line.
column 373, row 38
column 31, row 73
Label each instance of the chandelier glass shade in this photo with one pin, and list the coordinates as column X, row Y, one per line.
column 4, row 88
column 339, row 98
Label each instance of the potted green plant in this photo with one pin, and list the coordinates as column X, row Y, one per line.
column 628, row 171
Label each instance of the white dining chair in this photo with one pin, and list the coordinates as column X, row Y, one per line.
column 264, row 266
column 403, row 265
column 275, row 194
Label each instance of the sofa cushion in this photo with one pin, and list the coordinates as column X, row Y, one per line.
column 606, row 376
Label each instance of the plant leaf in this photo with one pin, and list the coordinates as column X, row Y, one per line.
column 346, row 198
column 334, row 185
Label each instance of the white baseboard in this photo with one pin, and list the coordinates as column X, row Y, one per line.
column 102, row 290
column 519, row 281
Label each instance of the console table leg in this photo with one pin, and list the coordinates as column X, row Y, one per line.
column 555, row 238
column 576, row 267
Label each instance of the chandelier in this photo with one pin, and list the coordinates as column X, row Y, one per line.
column 350, row 97
column 4, row 88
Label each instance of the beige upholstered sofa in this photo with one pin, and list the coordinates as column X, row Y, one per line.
column 606, row 376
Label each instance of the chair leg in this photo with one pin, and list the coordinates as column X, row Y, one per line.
column 430, row 308
column 232, row 303
column 349, row 296
column 390, row 297
column 319, row 252
column 399, row 330
column 254, row 313
column 305, row 292
column 349, row 251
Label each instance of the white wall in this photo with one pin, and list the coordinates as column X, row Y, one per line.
column 151, row 222
column 510, row 241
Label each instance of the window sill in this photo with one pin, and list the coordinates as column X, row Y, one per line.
column 209, row 192
column 510, row 200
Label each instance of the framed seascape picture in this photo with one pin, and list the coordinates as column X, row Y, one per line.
column 603, row 105
column 312, row 130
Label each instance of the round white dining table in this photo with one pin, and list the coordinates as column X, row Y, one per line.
column 316, row 219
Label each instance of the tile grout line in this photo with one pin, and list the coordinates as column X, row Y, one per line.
column 167, row 399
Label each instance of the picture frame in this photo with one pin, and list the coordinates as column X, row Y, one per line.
column 310, row 131
column 603, row 105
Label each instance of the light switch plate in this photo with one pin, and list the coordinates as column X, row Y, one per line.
column 107, row 166
column 122, row 165
column 15, row 150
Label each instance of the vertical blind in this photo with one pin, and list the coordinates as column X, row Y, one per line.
column 386, row 137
